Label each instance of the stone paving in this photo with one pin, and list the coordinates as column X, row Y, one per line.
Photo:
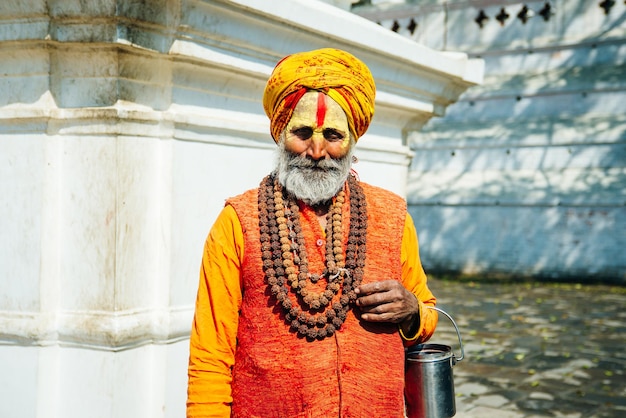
column 535, row 349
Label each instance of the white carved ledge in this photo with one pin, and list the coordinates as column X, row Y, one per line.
column 244, row 38
column 101, row 330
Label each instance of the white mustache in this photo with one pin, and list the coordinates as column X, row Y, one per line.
column 297, row 161
column 312, row 181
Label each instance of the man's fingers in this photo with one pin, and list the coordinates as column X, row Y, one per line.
column 380, row 313
column 386, row 301
column 376, row 287
column 374, row 299
column 368, row 289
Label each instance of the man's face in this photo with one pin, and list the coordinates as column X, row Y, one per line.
column 315, row 151
column 318, row 128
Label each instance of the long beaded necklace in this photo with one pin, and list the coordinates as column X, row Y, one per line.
column 312, row 314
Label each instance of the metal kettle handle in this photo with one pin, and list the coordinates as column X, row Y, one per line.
column 455, row 327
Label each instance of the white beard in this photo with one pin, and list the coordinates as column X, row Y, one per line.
column 311, row 181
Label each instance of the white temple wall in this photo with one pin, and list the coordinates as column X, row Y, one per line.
column 123, row 127
column 525, row 176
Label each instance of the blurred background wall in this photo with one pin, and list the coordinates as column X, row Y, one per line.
column 123, row 127
column 526, row 175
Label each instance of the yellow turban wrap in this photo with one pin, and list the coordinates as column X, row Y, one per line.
column 340, row 75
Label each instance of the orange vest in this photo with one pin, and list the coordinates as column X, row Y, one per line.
column 357, row 372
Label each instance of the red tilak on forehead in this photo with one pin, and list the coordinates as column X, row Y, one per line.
column 321, row 109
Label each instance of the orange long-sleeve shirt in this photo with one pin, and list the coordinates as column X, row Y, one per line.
column 214, row 332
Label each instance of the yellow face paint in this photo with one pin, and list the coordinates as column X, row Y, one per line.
column 320, row 119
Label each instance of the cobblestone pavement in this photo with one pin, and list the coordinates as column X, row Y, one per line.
column 535, row 349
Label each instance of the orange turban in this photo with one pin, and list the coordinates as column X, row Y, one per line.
column 340, row 75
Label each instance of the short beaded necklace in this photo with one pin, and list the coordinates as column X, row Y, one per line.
column 315, row 315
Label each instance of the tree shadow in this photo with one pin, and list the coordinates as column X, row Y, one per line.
column 525, row 175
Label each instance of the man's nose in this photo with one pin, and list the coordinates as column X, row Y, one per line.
column 317, row 150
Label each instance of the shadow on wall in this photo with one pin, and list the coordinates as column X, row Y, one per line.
column 526, row 175
column 553, row 211
column 554, row 243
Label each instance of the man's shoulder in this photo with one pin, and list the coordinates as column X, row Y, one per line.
column 378, row 192
column 386, row 210
column 247, row 196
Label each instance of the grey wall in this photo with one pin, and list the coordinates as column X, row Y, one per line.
column 526, row 174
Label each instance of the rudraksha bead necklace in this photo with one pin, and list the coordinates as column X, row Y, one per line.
column 312, row 314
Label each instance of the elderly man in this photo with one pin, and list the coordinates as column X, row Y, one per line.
column 311, row 285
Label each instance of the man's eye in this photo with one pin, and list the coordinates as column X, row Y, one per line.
column 303, row 133
column 332, row 135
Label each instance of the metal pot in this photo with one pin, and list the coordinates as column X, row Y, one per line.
column 429, row 383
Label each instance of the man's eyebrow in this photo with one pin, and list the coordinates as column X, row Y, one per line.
column 339, row 131
column 298, row 127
